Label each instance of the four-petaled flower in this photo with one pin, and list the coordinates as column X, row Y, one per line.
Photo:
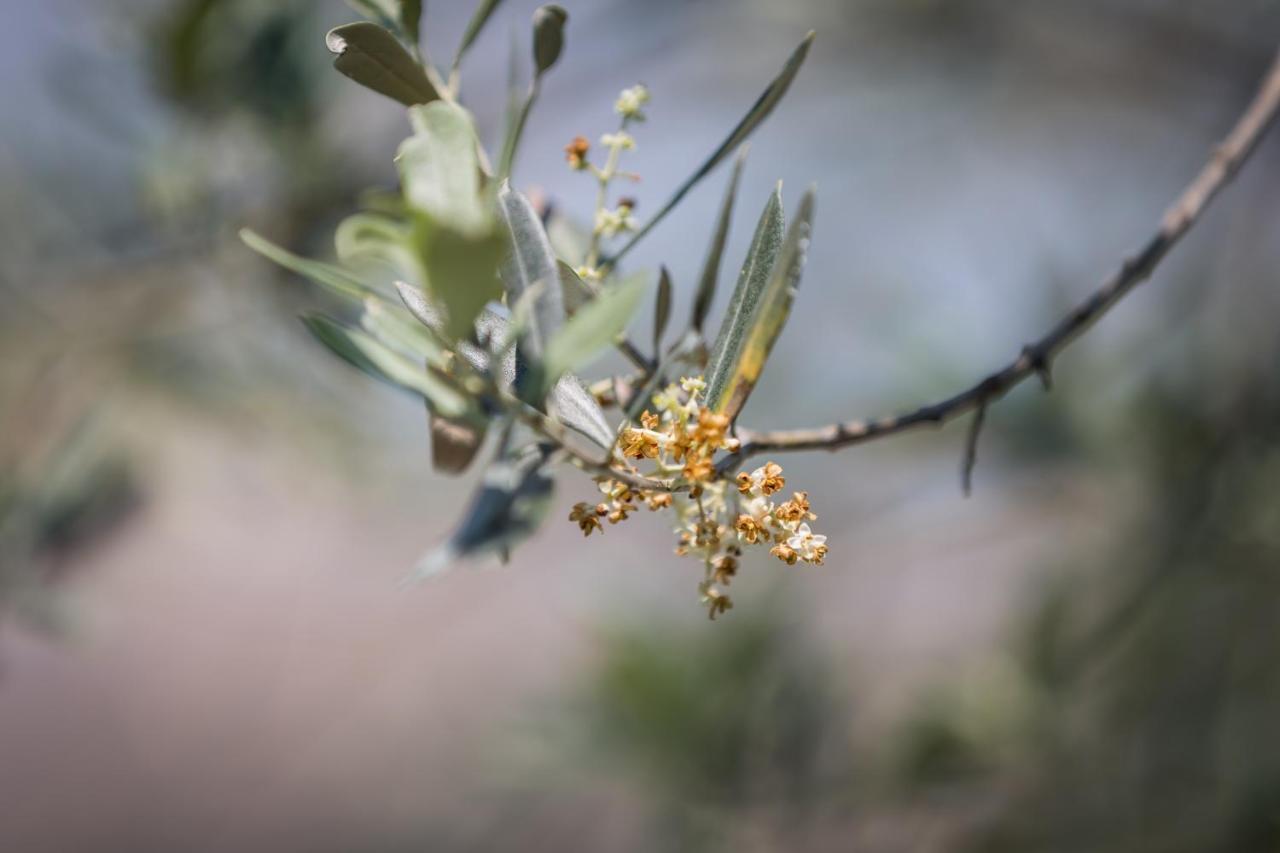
column 750, row 530
column 587, row 517
column 809, row 545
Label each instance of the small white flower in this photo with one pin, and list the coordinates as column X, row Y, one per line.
column 610, row 223
column 630, row 101
column 621, row 140
column 693, row 384
column 809, row 545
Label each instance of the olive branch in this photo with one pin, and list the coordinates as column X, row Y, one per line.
column 466, row 294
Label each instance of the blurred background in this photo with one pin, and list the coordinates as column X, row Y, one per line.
column 204, row 518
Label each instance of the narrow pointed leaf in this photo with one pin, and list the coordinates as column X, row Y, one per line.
column 512, row 501
column 759, row 111
column 333, row 278
column 569, row 402
column 392, row 326
column 774, row 308
column 533, row 263
column 411, row 19
column 711, row 267
column 365, row 239
column 596, row 326
column 661, row 311
column 575, row 291
column 481, row 16
column 371, row 56
column 381, row 362
column 752, row 280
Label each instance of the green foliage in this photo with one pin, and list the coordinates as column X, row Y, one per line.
column 773, row 308
column 595, row 327
column 382, row 362
column 459, row 240
column 371, row 56
column 510, row 504
column 762, row 254
column 710, row 278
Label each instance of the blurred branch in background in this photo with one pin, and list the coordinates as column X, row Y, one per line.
column 1036, row 359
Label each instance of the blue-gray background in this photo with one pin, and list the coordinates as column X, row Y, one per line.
column 204, row 645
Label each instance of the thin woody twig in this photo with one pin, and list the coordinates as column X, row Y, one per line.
column 1036, row 358
column 971, row 450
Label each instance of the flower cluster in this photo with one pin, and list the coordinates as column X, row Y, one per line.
column 631, row 101
column 715, row 518
column 609, row 222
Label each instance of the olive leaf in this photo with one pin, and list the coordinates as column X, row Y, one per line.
column 533, row 263
column 726, row 352
column 478, row 19
column 711, row 267
column 759, row 111
column 381, row 362
column 661, row 311
column 388, row 324
column 569, row 402
column 548, row 43
column 771, row 314
column 440, row 167
column 454, row 234
column 512, row 501
column 596, row 326
column 371, row 56
column 574, row 290
column 364, row 238
column 332, row 278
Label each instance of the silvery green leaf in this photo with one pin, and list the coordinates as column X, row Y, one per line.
column 390, row 325
column 756, row 269
column 770, row 316
column 454, row 234
column 575, row 291
column 333, row 278
column 575, row 407
column 661, row 311
column 460, row 271
column 759, row 111
column 384, row 363
column 512, row 501
column 375, row 238
column 548, row 36
column 596, row 326
column 440, row 168
column 569, row 402
column 711, row 267
column 533, row 263
column 481, row 16
column 569, row 239
column 371, row 56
